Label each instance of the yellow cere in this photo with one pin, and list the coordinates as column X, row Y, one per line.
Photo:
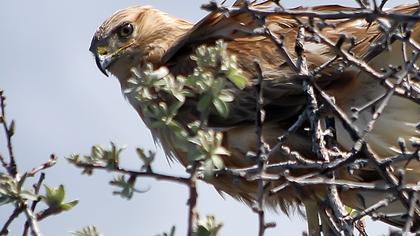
column 102, row 50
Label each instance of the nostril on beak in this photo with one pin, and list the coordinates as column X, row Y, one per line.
column 102, row 51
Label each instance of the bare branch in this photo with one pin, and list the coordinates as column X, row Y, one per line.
column 157, row 176
column 9, row 131
column 16, row 212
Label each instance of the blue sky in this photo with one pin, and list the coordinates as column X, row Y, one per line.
column 62, row 104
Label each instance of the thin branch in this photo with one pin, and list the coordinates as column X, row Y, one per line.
column 375, row 207
column 33, row 221
column 51, row 162
column 9, row 131
column 410, row 214
column 37, row 187
column 261, row 153
column 192, row 201
column 16, row 212
column 323, row 15
column 292, row 129
column 3, row 162
column 157, row 176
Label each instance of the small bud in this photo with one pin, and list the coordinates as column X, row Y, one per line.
column 12, row 128
column 401, row 143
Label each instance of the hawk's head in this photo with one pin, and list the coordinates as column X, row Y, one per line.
column 132, row 37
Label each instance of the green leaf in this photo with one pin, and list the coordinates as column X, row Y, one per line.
column 54, row 196
column 195, row 155
column 221, row 107
column 4, row 199
column 87, row 231
column 208, row 169
column 237, row 78
column 226, row 96
column 60, row 193
column 217, row 86
column 173, row 109
column 161, row 72
column 207, row 227
column 352, row 212
column 69, row 205
column 97, row 151
column 28, row 195
column 194, row 126
column 204, row 102
column 217, row 162
column 146, row 159
column 21, row 182
column 127, row 186
column 221, row 151
column 177, row 128
column 73, row 158
column 171, row 233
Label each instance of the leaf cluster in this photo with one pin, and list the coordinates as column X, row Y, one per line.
column 161, row 96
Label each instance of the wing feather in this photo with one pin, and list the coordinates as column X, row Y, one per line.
column 283, row 89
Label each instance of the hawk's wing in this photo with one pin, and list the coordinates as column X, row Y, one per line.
column 283, row 93
column 241, row 24
column 214, row 26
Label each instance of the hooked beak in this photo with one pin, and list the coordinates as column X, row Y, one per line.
column 104, row 62
column 103, row 58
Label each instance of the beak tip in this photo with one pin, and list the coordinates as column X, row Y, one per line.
column 102, row 65
column 104, row 72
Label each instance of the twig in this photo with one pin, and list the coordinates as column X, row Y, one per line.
column 33, row 221
column 375, row 207
column 182, row 180
column 192, row 201
column 360, row 226
column 190, row 182
column 3, row 162
column 292, row 129
column 261, row 153
column 383, row 4
column 16, row 212
column 48, row 164
column 37, row 187
column 333, row 226
column 282, row 50
column 410, row 214
column 9, row 131
column 318, row 140
column 323, row 15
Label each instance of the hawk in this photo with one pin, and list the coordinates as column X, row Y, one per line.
column 140, row 35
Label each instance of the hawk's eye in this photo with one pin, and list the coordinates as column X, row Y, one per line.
column 125, row 30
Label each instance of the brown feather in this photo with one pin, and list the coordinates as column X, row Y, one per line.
column 164, row 40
